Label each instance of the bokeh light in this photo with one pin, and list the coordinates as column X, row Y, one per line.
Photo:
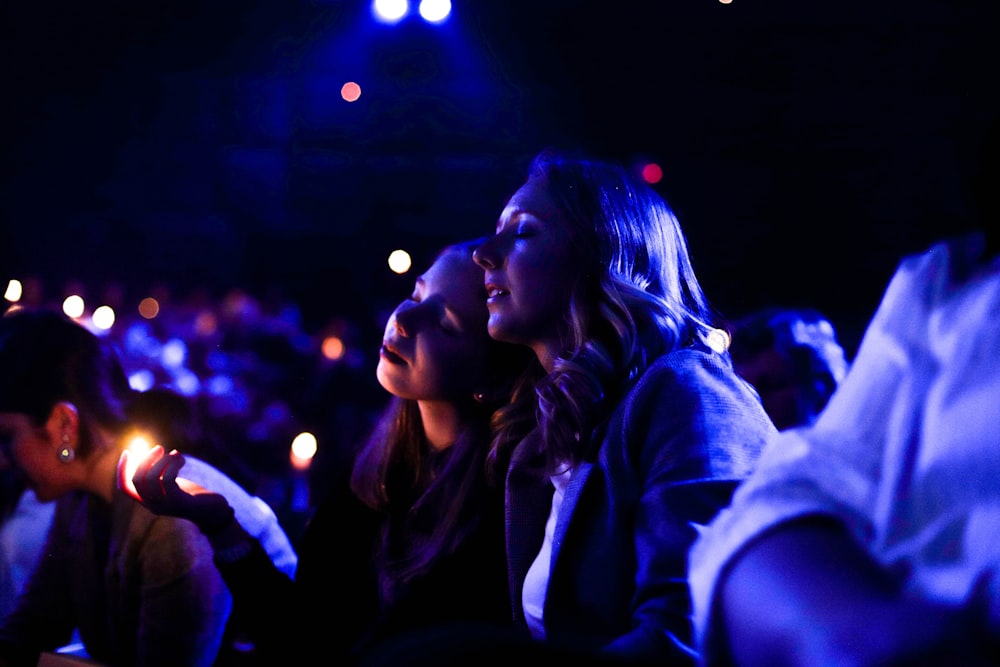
column 390, row 11
column 174, row 353
column 103, row 317
column 149, row 308
column 718, row 340
column 73, row 306
column 304, row 448
column 142, row 380
column 400, row 261
column 333, row 348
column 13, row 291
column 652, row 172
column 350, row 91
column 435, row 11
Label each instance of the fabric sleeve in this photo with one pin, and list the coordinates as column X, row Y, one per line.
column 835, row 467
column 185, row 604
column 695, row 430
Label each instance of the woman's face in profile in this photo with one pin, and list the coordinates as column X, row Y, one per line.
column 30, row 449
column 530, row 269
column 435, row 343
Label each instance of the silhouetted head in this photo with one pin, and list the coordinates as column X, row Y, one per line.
column 47, row 358
column 793, row 359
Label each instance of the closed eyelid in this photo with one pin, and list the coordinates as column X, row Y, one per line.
column 418, row 289
column 515, row 220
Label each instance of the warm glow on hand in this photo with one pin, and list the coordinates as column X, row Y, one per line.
column 140, row 453
column 139, row 448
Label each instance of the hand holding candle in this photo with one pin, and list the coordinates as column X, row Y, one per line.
column 152, row 480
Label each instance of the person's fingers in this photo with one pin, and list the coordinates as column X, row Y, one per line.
column 192, row 488
column 171, row 465
column 145, row 478
column 124, row 478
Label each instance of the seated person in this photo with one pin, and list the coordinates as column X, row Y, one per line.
column 141, row 590
column 792, row 358
column 870, row 537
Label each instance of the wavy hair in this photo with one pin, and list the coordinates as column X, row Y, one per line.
column 638, row 298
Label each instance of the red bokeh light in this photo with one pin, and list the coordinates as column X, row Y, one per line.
column 651, row 172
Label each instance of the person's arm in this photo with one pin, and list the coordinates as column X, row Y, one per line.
column 806, row 593
column 692, row 431
column 263, row 596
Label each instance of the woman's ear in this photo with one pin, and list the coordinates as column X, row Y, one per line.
column 64, row 423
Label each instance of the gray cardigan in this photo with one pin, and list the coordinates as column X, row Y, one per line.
column 671, row 453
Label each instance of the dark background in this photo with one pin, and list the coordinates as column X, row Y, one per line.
column 203, row 143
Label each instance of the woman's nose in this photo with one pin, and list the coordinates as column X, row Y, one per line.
column 483, row 255
column 399, row 323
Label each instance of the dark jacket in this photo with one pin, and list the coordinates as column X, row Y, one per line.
column 670, row 455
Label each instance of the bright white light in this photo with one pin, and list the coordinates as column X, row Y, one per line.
column 390, row 11
column 718, row 340
column 435, row 11
column 13, row 292
column 399, row 261
column 304, row 445
column 303, row 450
column 103, row 317
column 139, row 444
column 73, row 306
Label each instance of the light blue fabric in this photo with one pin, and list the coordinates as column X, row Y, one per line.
column 906, row 452
column 254, row 514
column 22, row 536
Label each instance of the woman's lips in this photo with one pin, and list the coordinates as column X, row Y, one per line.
column 390, row 355
column 494, row 291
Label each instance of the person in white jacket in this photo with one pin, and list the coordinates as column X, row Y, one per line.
column 871, row 536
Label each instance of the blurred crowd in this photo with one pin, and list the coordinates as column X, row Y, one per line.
column 245, row 377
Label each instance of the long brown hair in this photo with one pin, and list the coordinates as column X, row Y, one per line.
column 432, row 500
column 638, row 300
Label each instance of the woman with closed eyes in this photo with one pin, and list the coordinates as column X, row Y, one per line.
column 644, row 429
column 412, row 536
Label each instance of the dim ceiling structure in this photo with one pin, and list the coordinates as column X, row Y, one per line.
column 805, row 146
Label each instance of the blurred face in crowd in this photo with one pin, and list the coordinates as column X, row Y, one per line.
column 33, row 450
column 435, row 343
column 529, row 271
column 785, row 399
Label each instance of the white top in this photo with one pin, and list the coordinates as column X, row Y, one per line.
column 906, row 453
column 537, row 578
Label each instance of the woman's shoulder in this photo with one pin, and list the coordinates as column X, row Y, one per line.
column 695, row 368
column 695, row 380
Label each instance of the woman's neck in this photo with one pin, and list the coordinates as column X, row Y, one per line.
column 443, row 422
column 102, row 468
column 547, row 353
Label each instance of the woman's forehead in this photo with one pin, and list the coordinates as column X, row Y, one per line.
column 532, row 197
column 458, row 280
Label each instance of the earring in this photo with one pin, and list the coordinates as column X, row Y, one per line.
column 66, row 453
column 479, row 397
